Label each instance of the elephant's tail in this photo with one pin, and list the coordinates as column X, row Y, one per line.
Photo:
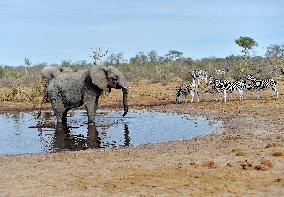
column 44, row 99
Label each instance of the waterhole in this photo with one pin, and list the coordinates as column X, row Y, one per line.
column 23, row 133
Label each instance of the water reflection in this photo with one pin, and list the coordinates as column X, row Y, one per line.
column 126, row 135
column 23, row 133
column 65, row 140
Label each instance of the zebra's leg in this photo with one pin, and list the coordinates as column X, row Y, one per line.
column 197, row 95
column 244, row 94
column 225, row 96
column 241, row 92
column 274, row 92
column 192, row 95
column 178, row 100
column 257, row 94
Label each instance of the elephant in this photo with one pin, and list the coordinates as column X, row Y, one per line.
column 75, row 89
column 49, row 72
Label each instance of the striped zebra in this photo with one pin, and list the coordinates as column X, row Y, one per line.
column 191, row 89
column 218, row 86
column 226, row 87
column 237, row 86
column 199, row 75
column 252, row 83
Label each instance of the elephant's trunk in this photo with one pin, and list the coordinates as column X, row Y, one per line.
column 125, row 100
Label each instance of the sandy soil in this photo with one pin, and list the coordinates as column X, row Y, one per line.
column 243, row 157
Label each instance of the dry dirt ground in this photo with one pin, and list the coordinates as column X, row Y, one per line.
column 243, row 157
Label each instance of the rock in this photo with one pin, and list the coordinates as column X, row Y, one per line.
column 267, row 163
column 246, row 164
column 209, row 164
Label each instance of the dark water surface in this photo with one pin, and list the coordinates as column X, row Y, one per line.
column 23, row 133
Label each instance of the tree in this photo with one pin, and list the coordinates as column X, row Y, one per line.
column 153, row 56
column 246, row 43
column 275, row 51
column 174, row 55
column 115, row 59
column 98, row 54
column 275, row 55
column 140, row 58
column 2, row 72
column 27, row 63
column 66, row 63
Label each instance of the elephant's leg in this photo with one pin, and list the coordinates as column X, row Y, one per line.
column 64, row 116
column 60, row 111
column 96, row 103
column 91, row 110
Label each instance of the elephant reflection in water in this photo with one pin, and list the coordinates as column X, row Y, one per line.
column 126, row 135
column 63, row 140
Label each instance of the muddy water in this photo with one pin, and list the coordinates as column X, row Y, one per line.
column 23, row 133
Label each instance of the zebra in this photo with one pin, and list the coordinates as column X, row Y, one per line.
column 218, row 86
column 252, row 83
column 238, row 85
column 191, row 89
column 220, row 71
column 226, row 87
column 199, row 75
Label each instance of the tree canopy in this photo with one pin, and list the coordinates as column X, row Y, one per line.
column 247, row 43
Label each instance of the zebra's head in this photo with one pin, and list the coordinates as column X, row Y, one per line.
column 250, row 77
column 199, row 75
column 203, row 75
column 211, row 80
column 182, row 91
column 178, row 95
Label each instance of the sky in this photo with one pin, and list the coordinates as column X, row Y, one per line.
column 54, row 30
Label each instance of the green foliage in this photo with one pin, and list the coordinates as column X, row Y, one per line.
column 246, row 43
column 115, row 59
column 139, row 59
column 174, row 55
column 153, row 56
column 6, row 72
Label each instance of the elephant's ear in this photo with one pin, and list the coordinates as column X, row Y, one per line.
column 99, row 76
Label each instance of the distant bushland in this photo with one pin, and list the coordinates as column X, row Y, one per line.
column 23, row 83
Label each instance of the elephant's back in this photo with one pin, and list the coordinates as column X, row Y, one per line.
column 69, row 83
column 68, row 87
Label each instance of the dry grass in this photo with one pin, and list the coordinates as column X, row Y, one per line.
column 22, row 93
